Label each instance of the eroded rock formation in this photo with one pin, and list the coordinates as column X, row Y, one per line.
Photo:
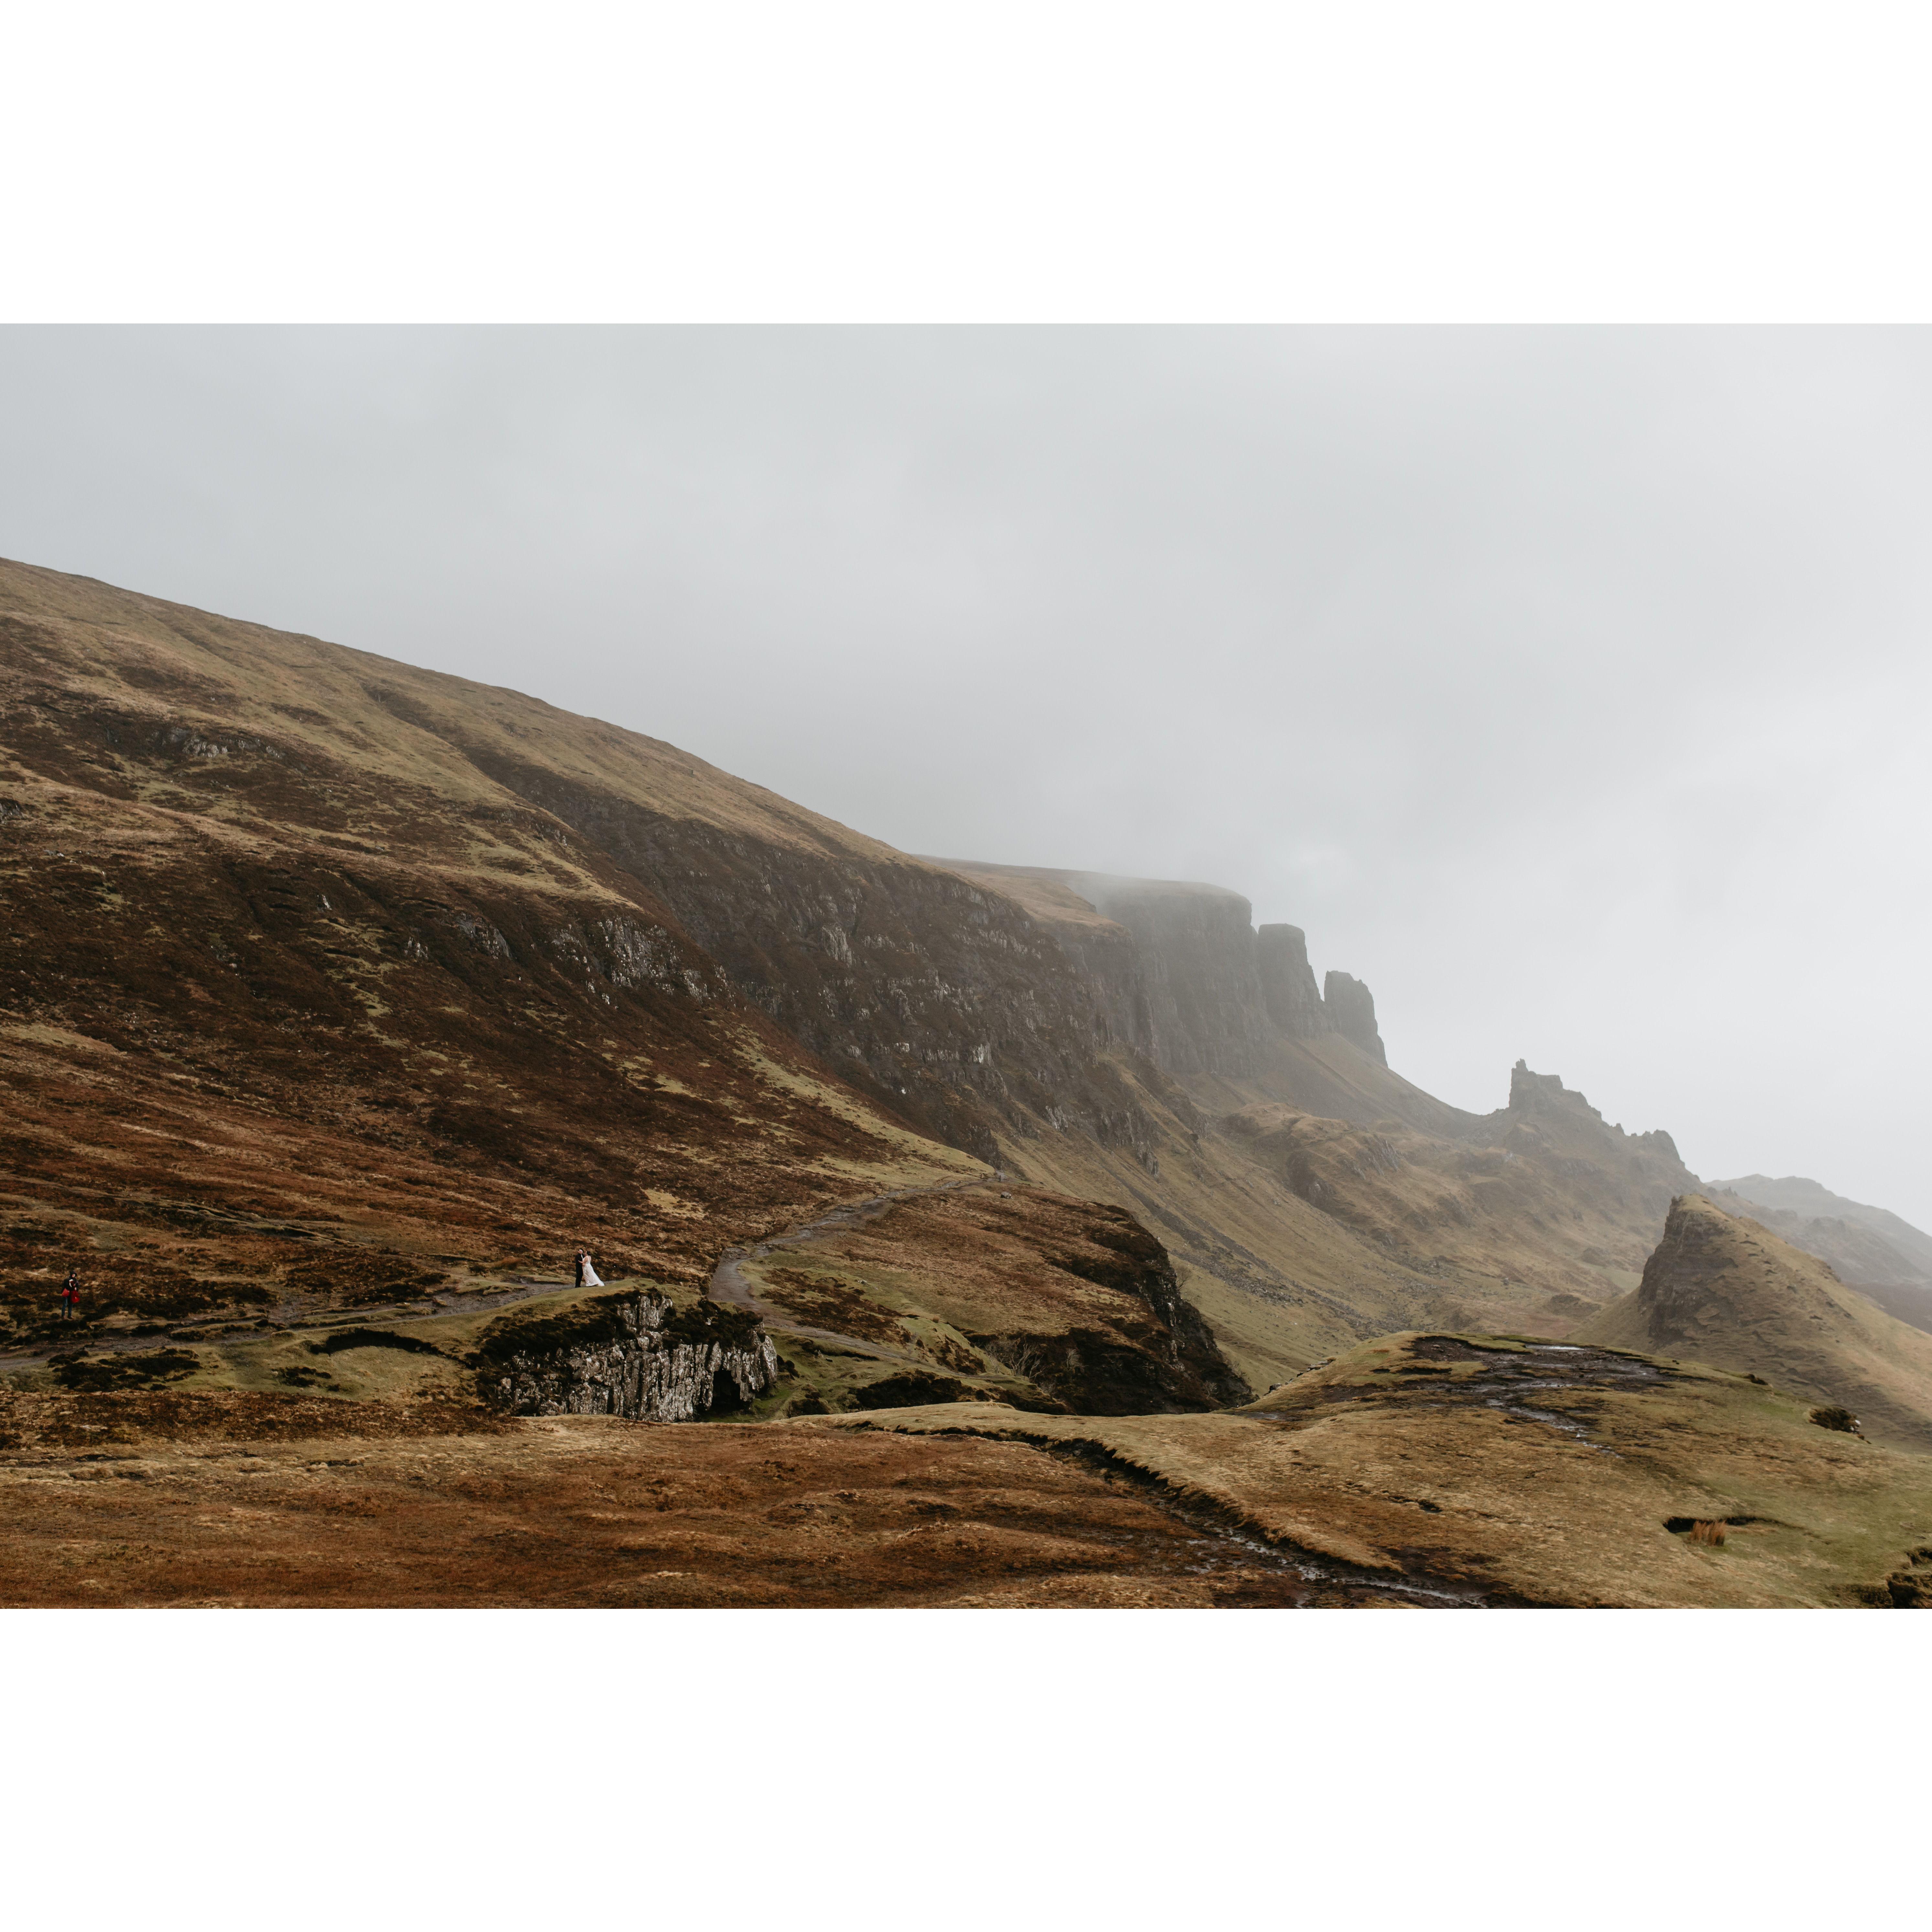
column 1179, row 971
column 1351, row 1008
column 1076, row 1299
column 632, row 1354
column 1289, row 991
column 1726, row 1291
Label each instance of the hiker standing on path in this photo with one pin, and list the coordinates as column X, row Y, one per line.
column 587, row 1276
column 70, row 1295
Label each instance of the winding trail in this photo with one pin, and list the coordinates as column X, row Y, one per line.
column 728, row 1284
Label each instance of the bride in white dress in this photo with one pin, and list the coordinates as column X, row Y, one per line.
column 587, row 1276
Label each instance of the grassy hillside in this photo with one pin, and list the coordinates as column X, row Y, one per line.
column 1057, row 1303
column 1442, row 1469
column 298, row 1007
column 1729, row 1292
column 327, row 977
column 1417, row 1470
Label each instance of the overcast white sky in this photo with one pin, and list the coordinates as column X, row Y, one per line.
column 1569, row 686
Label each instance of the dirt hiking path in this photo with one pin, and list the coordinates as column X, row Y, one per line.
column 728, row 1283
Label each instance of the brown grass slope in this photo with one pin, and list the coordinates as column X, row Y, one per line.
column 1314, row 1196
column 1728, row 1291
column 1440, row 1469
column 315, row 958
column 1869, row 1248
column 1299, row 1234
column 943, row 1004
column 297, row 1003
column 301, row 990
column 1906, row 1252
column 1030, row 1296
column 1418, row 1469
column 241, row 1502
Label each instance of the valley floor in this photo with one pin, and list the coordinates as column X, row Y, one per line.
column 1419, row 1469
column 582, row 1511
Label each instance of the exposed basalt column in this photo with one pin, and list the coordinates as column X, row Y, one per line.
column 1181, row 975
column 1198, row 966
column 633, row 1355
column 1293, row 1000
column 1351, row 1008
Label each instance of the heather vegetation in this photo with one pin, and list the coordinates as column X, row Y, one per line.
column 964, row 1233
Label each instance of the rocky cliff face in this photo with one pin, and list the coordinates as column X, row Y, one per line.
column 1289, row 991
column 1196, row 951
column 1351, row 1008
column 301, row 1003
column 470, row 829
column 944, row 1003
column 1179, row 973
column 634, row 1355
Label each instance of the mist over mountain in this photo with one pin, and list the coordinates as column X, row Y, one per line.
column 1127, row 1040
column 1564, row 687
column 343, row 1001
column 1870, row 1249
column 1808, row 1200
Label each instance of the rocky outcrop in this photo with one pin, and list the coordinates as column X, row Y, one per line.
column 631, row 1355
column 1138, row 1368
column 1351, row 1008
column 1542, row 1106
column 1727, row 1291
column 1179, row 973
column 1289, row 991
column 1077, row 1297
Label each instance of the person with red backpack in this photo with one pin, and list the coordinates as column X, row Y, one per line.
column 70, row 1295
